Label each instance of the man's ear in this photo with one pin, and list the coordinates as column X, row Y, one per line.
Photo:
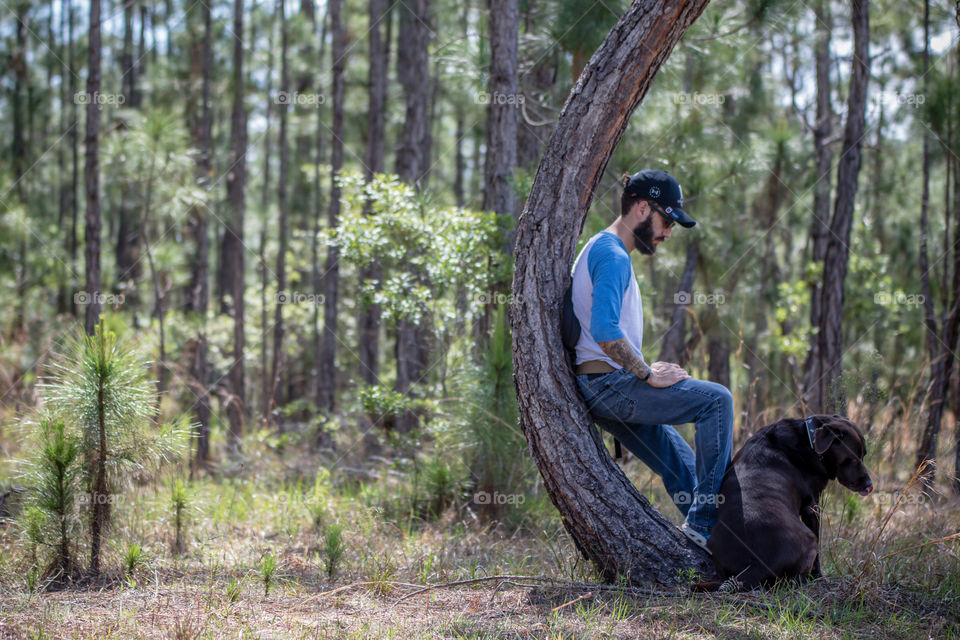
column 823, row 437
column 643, row 210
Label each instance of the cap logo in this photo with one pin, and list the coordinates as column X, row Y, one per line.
column 654, row 192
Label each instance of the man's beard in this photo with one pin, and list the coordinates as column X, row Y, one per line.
column 643, row 237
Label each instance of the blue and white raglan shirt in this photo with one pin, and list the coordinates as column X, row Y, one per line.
column 606, row 298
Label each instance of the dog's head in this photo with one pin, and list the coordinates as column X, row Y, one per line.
column 842, row 446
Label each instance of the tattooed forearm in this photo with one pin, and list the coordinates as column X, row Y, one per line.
column 623, row 354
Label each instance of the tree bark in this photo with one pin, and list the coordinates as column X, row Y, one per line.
column 232, row 250
column 412, row 164
column 830, row 332
column 501, row 138
column 941, row 350
column 413, row 73
column 74, row 152
column 536, row 85
column 277, row 370
column 765, row 210
column 20, row 152
column 718, row 369
column 99, row 493
column 200, row 273
column 928, row 442
column 129, row 230
column 674, row 342
column 316, row 279
column 502, row 110
column 326, row 359
column 66, row 106
column 266, row 380
column 368, row 322
column 610, row 522
column 127, row 63
column 92, row 173
column 819, row 226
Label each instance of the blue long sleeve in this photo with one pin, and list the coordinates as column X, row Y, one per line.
column 609, row 266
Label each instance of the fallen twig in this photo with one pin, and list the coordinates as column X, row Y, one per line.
column 574, row 601
column 952, row 536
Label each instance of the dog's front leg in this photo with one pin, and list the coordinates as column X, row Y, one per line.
column 810, row 516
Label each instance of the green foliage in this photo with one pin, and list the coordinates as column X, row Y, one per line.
column 33, row 521
column 99, row 391
column 235, row 588
column 132, row 559
column 150, row 156
column 487, row 419
column 581, row 25
column 381, row 401
column 425, row 251
column 105, row 373
column 333, row 547
column 441, row 484
column 179, row 502
column 268, row 570
column 51, row 518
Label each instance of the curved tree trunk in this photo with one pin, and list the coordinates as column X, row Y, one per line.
column 610, row 522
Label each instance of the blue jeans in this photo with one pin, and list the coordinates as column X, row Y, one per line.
column 639, row 416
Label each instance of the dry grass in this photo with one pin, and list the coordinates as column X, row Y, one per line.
column 908, row 587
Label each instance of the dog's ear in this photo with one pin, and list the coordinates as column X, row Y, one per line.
column 823, row 437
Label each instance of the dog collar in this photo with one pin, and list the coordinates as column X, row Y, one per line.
column 808, row 423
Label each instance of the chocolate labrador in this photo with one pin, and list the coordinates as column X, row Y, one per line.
column 768, row 523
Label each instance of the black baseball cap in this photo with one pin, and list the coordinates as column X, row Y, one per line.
column 662, row 188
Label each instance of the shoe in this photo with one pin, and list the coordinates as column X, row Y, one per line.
column 695, row 536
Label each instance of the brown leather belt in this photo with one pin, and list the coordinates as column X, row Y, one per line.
column 594, row 366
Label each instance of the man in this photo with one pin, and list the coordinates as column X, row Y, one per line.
column 634, row 401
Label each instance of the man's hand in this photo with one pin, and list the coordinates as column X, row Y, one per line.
column 662, row 374
column 666, row 374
